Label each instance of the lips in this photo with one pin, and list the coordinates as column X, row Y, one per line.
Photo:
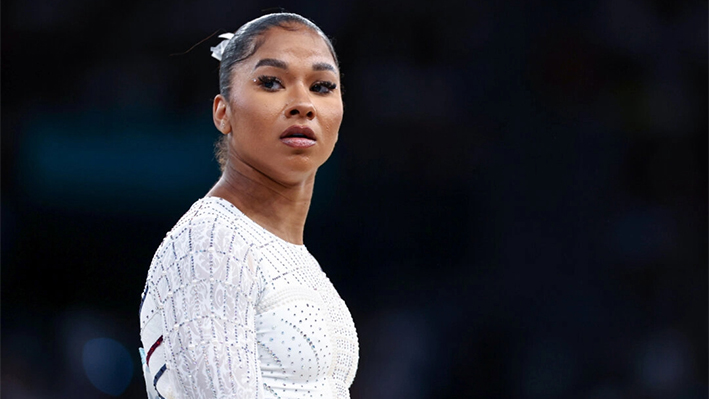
column 298, row 137
column 299, row 131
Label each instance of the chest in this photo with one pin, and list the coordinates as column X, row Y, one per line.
column 304, row 330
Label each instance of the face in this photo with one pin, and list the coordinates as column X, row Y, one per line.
column 285, row 108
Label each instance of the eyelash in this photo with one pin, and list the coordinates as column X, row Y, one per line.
column 264, row 81
column 267, row 81
column 327, row 85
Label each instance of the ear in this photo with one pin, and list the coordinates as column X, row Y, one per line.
column 221, row 114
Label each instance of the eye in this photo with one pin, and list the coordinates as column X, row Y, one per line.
column 270, row 83
column 323, row 87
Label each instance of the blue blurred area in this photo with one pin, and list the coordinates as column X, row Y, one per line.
column 516, row 207
column 108, row 365
column 117, row 161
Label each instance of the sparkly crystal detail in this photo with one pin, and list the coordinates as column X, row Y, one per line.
column 243, row 313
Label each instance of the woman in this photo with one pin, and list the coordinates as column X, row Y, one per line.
column 234, row 305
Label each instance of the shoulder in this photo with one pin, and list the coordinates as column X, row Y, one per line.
column 207, row 240
column 209, row 222
column 209, row 212
column 211, row 225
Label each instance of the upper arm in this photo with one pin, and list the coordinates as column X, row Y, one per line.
column 207, row 289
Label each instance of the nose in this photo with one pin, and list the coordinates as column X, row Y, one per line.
column 300, row 104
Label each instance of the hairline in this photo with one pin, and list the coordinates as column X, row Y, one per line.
column 259, row 39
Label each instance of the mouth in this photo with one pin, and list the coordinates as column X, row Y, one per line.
column 296, row 131
column 298, row 137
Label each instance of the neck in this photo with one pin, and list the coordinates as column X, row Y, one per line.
column 279, row 208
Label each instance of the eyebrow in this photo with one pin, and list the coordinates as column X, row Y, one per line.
column 318, row 66
column 323, row 66
column 271, row 62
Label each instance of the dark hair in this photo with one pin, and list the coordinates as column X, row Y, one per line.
column 246, row 41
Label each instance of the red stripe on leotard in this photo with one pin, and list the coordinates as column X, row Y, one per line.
column 152, row 349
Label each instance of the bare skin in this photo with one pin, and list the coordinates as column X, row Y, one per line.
column 291, row 82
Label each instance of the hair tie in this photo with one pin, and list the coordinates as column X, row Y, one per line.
column 218, row 51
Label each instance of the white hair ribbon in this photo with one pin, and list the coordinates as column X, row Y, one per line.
column 219, row 49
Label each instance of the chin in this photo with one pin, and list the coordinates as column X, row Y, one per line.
column 304, row 164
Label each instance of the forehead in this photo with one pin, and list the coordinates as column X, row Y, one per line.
column 299, row 44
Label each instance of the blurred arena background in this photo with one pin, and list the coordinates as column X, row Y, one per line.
column 517, row 206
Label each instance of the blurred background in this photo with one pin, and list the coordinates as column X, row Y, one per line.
column 517, row 206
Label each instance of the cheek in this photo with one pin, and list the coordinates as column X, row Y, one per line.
column 332, row 120
column 254, row 116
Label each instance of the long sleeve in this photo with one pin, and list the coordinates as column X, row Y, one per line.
column 200, row 297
